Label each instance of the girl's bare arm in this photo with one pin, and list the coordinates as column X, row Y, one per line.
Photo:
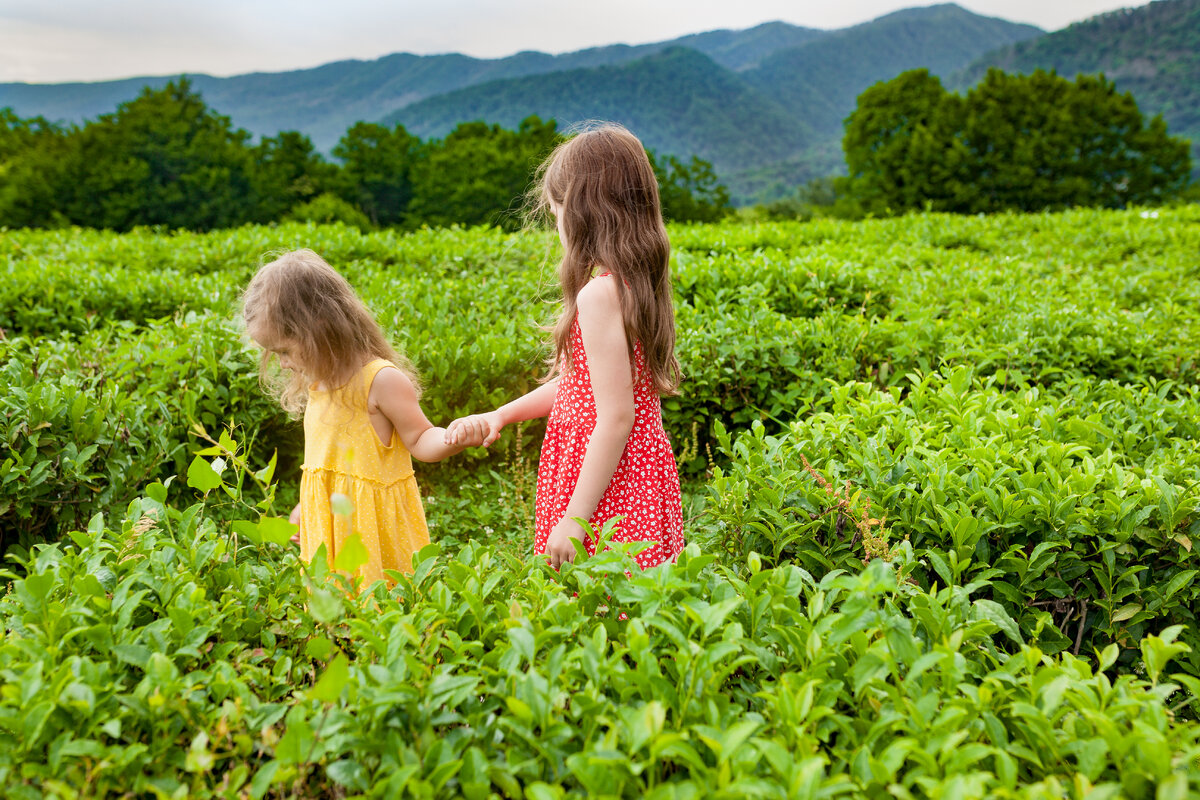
column 603, row 329
column 394, row 396
column 528, row 406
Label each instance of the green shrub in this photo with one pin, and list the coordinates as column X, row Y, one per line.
column 769, row 316
column 328, row 208
column 86, row 421
column 1078, row 511
column 167, row 653
column 1017, row 393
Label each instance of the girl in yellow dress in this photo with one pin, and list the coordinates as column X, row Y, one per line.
column 362, row 418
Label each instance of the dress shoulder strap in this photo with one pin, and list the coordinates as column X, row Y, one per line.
column 358, row 388
column 372, row 367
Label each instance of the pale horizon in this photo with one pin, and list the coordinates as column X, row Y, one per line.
column 70, row 41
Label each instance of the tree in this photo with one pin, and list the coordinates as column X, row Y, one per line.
column 902, row 147
column 689, row 192
column 286, row 171
column 479, row 173
column 161, row 159
column 376, row 173
column 33, row 155
column 1041, row 141
column 1022, row 142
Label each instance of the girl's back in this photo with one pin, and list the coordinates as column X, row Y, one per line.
column 363, row 422
column 605, row 453
column 354, row 483
column 644, row 488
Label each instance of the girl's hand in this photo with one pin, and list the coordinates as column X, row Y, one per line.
column 559, row 544
column 294, row 518
column 477, row 430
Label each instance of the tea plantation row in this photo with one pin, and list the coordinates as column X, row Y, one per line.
column 1000, row 411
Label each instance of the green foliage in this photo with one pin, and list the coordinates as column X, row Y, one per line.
column 287, row 173
column 1003, row 409
column 1014, row 142
column 33, row 154
column 689, row 192
column 768, row 317
column 1039, row 141
column 904, row 149
column 376, row 172
column 18, row 135
column 1152, row 51
column 479, row 174
column 1077, row 510
column 329, row 208
column 194, row 171
column 820, row 197
column 165, row 653
column 162, row 159
column 87, row 420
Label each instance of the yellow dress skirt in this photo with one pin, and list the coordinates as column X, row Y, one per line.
column 353, row 484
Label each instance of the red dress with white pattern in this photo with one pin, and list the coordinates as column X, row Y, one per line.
column 644, row 490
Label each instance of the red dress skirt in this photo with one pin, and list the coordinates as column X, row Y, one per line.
column 644, row 490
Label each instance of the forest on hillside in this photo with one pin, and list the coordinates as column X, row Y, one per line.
column 165, row 158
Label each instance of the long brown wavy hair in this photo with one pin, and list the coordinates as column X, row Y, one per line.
column 607, row 197
column 298, row 297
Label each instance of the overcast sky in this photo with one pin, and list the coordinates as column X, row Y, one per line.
column 50, row 41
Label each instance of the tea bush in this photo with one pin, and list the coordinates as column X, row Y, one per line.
column 87, row 420
column 769, row 317
column 168, row 654
column 1001, row 411
column 1079, row 512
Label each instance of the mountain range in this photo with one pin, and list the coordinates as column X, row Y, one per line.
column 765, row 105
column 1152, row 51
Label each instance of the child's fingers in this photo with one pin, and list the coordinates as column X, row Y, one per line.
column 458, row 431
column 473, row 431
column 465, row 431
column 558, row 557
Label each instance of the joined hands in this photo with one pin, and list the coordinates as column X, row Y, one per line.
column 476, row 430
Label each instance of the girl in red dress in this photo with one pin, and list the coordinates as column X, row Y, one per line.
column 605, row 453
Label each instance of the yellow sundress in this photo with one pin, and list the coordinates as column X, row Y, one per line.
column 343, row 456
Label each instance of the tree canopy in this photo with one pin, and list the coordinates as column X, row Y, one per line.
column 479, row 173
column 166, row 159
column 1022, row 142
column 689, row 192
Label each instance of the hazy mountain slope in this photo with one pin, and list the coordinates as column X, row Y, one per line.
column 324, row 101
column 679, row 101
column 764, row 105
column 1152, row 51
column 820, row 81
column 741, row 50
column 782, row 118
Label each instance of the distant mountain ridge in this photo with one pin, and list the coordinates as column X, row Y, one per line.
column 1152, row 51
column 706, row 120
column 324, row 101
column 765, row 105
column 767, row 127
